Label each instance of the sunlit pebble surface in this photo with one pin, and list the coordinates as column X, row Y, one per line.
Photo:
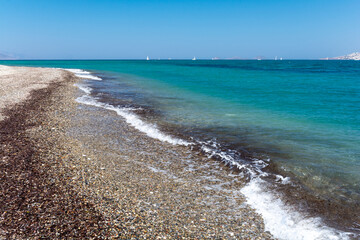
column 146, row 188
column 45, row 213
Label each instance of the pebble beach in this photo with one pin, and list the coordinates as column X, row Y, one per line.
column 75, row 171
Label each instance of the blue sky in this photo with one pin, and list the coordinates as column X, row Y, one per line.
column 105, row 29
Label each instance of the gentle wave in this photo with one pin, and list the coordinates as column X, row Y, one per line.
column 279, row 219
column 83, row 88
column 131, row 118
column 284, row 222
column 213, row 149
column 83, row 74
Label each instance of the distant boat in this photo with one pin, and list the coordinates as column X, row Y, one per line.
column 276, row 58
column 147, row 58
column 280, row 58
column 194, row 59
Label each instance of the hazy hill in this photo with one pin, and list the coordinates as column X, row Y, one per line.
column 351, row 56
column 4, row 56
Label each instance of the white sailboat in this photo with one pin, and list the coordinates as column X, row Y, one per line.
column 147, row 58
column 194, row 59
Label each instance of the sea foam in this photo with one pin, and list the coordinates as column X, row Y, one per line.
column 281, row 220
column 131, row 118
column 284, row 222
column 149, row 129
column 83, row 88
column 83, row 74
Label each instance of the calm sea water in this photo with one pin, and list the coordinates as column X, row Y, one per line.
column 302, row 115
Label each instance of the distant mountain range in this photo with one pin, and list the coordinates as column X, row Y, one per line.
column 351, row 56
column 4, row 56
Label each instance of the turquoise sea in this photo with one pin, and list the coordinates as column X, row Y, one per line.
column 298, row 120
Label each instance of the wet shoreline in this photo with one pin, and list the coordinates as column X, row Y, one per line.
column 188, row 191
column 81, row 180
column 336, row 213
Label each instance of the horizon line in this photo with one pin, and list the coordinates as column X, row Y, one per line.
column 162, row 59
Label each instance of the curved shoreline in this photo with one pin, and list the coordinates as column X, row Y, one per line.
column 73, row 185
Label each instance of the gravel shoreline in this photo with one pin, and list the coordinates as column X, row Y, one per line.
column 37, row 201
column 74, row 171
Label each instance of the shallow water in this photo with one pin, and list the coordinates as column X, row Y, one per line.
column 301, row 117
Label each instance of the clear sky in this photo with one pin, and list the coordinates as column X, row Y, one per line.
column 127, row 29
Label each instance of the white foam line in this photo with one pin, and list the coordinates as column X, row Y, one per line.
column 131, row 118
column 227, row 159
column 83, row 88
column 83, row 74
column 284, row 222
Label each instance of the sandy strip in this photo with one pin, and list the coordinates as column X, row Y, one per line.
column 16, row 83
